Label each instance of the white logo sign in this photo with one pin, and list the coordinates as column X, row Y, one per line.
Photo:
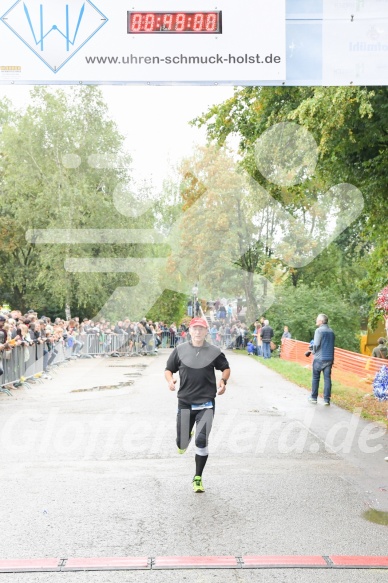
column 54, row 31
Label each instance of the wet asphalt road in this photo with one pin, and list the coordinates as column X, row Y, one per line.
column 95, row 473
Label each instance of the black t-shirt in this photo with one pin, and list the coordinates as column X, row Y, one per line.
column 196, row 367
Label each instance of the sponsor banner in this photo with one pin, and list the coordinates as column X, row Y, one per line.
column 358, row 8
column 67, row 41
column 355, row 42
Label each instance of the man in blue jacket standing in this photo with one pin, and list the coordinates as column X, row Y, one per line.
column 266, row 334
column 323, row 350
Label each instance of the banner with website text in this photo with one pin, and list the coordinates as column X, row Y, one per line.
column 142, row 41
column 251, row 42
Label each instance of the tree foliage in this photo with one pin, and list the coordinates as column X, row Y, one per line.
column 223, row 234
column 61, row 163
column 298, row 307
column 350, row 126
column 170, row 307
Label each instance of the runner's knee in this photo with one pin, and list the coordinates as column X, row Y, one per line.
column 201, row 441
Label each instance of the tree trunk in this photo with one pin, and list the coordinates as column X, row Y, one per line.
column 295, row 277
column 20, row 302
column 251, row 300
column 67, row 312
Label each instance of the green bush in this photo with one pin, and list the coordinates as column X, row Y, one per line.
column 298, row 307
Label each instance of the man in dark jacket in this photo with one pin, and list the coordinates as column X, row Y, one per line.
column 266, row 334
column 323, row 350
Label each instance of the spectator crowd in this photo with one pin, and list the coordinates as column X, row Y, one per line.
column 227, row 329
column 26, row 330
column 90, row 337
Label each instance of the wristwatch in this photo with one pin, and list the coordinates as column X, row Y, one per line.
column 225, row 381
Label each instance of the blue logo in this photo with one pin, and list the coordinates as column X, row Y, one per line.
column 54, row 30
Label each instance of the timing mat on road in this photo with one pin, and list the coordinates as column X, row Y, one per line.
column 177, row 563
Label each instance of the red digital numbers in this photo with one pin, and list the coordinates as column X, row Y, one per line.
column 180, row 22
column 198, row 22
column 174, row 22
column 167, row 22
column 211, row 22
column 136, row 22
column 149, row 23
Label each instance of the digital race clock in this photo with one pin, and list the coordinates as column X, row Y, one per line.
column 178, row 22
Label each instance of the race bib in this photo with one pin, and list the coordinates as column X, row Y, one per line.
column 207, row 405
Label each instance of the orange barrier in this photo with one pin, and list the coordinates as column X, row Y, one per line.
column 349, row 367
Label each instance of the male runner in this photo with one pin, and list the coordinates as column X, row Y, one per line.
column 196, row 362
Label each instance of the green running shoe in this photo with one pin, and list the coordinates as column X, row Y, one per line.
column 181, row 451
column 197, row 485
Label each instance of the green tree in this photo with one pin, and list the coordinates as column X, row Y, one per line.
column 298, row 307
column 62, row 161
column 349, row 125
column 223, row 233
column 170, row 307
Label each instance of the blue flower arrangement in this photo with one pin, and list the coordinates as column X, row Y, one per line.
column 380, row 384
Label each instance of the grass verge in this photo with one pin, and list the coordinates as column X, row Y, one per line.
column 347, row 397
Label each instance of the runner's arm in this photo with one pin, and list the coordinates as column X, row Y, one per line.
column 170, row 379
column 221, row 384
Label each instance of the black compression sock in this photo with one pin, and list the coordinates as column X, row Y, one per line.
column 200, row 462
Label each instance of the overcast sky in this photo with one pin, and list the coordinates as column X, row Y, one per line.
column 154, row 121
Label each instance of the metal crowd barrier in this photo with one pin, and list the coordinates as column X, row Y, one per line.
column 169, row 340
column 25, row 362
column 112, row 344
column 124, row 344
column 116, row 344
